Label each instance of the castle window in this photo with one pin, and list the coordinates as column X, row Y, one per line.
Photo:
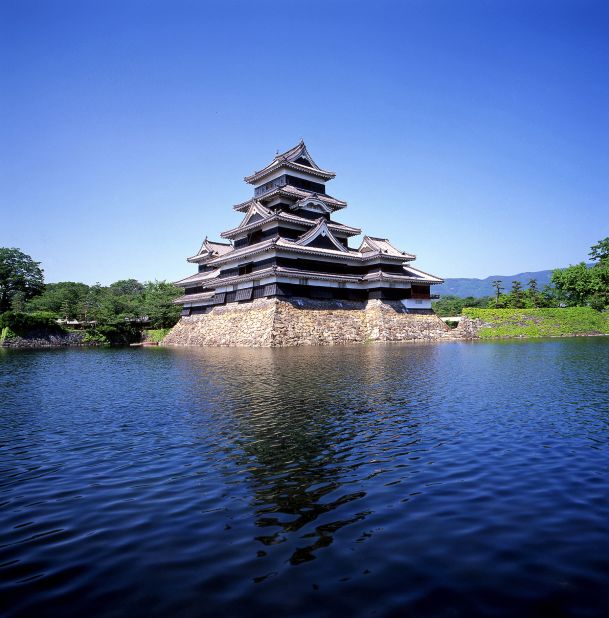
column 246, row 269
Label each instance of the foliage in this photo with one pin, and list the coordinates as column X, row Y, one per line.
column 535, row 322
column 122, row 306
column 586, row 285
column 6, row 333
column 126, row 287
column 600, row 251
column 117, row 312
column 95, row 337
column 62, row 299
column 20, row 278
column 518, row 298
column 23, row 323
column 157, row 335
column 157, row 303
column 449, row 306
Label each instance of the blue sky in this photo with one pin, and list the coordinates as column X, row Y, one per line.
column 474, row 134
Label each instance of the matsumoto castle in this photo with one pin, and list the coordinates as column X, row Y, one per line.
column 288, row 245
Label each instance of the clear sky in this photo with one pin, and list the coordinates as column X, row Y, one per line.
column 474, row 134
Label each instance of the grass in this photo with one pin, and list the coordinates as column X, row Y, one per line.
column 6, row 333
column 539, row 322
column 157, row 335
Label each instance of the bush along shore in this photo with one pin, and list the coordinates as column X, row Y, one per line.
column 22, row 331
column 565, row 322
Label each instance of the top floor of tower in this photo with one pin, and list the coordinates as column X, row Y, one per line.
column 293, row 168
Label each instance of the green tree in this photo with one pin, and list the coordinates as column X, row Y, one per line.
column 600, row 251
column 576, row 284
column 497, row 284
column 533, row 295
column 126, row 287
column 453, row 305
column 158, row 305
column 62, row 299
column 19, row 274
column 516, row 295
column 581, row 284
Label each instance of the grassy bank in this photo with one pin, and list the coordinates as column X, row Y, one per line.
column 539, row 322
column 156, row 335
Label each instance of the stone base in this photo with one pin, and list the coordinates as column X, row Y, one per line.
column 276, row 322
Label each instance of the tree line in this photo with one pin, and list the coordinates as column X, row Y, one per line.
column 112, row 310
column 582, row 285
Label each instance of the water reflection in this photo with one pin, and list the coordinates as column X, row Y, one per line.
column 460, row 479
column 304, row 424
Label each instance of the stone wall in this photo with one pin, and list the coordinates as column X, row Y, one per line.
column 270, row 322
column 44, row 340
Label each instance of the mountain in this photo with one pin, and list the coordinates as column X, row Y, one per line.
column 483, row 287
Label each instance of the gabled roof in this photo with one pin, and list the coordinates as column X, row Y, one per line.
column 317, row 202
column 321, row 229
column 256, row 208
column 288, row 217
column 292, row 192
column 197, row 278
column 297, row 158
column 416, row 273
column 370, row 244
column 210, row 249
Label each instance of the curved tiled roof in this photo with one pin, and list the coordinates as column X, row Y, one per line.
column 292, row 192
column 289, row 159
column 209, row 249
column 289, row 218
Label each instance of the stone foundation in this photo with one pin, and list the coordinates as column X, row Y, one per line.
column 41, row 339
column 275, row 322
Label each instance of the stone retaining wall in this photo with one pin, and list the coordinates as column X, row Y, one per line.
column 44, row 340
column 274, row 322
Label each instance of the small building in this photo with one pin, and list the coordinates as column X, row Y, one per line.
column 289, row 245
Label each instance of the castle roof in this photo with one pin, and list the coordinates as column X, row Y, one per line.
column 297, row 158
column 247, row 225
column 382, row 245
column 292, row 192
column 209, row 249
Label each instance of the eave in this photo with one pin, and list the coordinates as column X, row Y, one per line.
column 256, row 177
column 289, row 218
column 293, row 193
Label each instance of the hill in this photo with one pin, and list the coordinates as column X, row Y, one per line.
column 483, row 287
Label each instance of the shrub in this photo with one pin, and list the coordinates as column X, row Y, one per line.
column 22, row 323
column 157, row 335
column 95, row 337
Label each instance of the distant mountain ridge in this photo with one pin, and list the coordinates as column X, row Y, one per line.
column 483, row 287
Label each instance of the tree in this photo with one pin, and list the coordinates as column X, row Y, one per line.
column 498, row 289
column 516, row 295
column 453, row 305
column 62, row 299
column 600, row 251
column 19, row 274
column 533, row 294
column 158, row 303
column 126, row 287
column 586, row 285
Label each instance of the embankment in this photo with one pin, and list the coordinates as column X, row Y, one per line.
column 567, row 322
column 43, row 339
column 277, row 322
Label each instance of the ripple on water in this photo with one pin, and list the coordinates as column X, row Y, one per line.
column 457, row 479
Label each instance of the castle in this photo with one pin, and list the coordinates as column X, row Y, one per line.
column 289, row 249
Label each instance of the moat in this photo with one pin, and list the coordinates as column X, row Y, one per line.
column 391, row 479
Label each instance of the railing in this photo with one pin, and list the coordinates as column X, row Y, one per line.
column 415, row 296
column 269, row 186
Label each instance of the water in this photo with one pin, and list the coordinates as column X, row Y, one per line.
column 448, row 479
